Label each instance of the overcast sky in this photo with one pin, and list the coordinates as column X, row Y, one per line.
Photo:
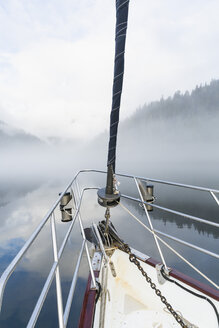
column 56, row 59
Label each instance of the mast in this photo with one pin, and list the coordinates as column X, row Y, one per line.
column 107, row 196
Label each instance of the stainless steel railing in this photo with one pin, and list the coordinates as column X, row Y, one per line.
column 54, row 271
column 73, row 187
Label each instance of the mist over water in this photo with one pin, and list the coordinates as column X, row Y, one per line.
column 174, row 138
column 157, row 142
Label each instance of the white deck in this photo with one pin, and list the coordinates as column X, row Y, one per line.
column 130, row 301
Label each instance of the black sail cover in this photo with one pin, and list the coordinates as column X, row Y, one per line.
column 120, row 38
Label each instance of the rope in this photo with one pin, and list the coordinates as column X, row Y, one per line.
column 168, row 246
column 191, row 292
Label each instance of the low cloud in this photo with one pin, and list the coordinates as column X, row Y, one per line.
column 56, row 61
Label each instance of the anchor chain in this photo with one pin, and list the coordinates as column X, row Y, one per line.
column 133, row 259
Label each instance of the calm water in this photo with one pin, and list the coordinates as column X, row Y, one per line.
column 23, row 208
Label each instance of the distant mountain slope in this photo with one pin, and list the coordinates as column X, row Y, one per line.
column 172, row 138
column 189, row 114
column 167, row 139
column 202, row 100
column 10, row 136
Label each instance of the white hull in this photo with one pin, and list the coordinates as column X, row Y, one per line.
column 128, row 301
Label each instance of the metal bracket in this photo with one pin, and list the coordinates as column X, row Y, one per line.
column 140, row 255
column 96, row 261
column 160, row 277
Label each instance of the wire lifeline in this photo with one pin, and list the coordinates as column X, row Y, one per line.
column 150, row 224
column 190, row 291
column 168, row 246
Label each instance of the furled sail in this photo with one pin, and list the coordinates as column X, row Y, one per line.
column 120, row 39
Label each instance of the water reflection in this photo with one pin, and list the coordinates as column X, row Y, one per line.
column 20, row 215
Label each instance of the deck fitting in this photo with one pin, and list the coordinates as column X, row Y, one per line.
column 160, row 277
column 107, row 200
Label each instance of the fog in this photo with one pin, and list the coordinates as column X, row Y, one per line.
column 172, row 139
column 173, row 150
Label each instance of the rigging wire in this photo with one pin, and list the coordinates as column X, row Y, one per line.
column 191, row 292
column 168, row 246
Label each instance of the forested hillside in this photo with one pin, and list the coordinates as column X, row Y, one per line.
column 202, row 100
column 171, row 138
column 179, row 133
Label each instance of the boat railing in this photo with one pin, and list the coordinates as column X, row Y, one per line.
column 78, row 193
column 54, row 271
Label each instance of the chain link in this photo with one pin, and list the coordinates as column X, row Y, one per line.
column 133, row 259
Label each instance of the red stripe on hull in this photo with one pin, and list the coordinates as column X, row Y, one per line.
column 189, row 281
column 88, row 307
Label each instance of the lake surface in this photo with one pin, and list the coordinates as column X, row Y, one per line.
column 23, row 208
